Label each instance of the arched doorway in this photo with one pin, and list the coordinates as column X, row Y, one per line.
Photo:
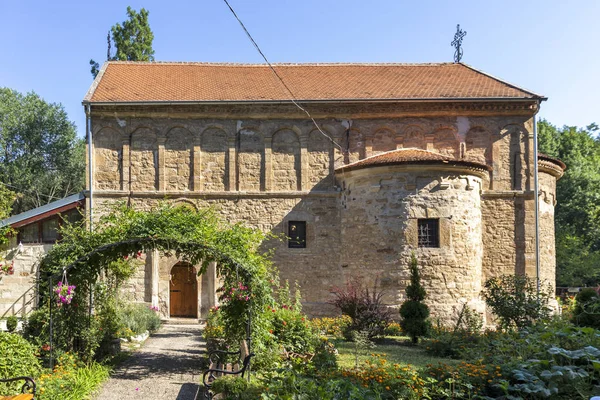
column 183, row 291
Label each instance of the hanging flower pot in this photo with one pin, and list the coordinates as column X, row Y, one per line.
column 64, row 291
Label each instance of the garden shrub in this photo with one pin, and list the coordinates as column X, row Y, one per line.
column 17, row 358
column 464, row 381
column 71, row 379
column 452, row 343
column 325, row 357
column 393, row 329
column 413, row 312
column 236, row 388
column 11, row 323
column 364, row 306
column 138, row 318
column 514, row 299
column 331, row 326
column 587, row 308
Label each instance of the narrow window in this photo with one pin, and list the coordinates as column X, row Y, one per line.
column 50, row 230
column 29, row 233
column 297, row 234
column 429, row 232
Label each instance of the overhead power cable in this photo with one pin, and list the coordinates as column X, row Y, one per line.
column 293, row 98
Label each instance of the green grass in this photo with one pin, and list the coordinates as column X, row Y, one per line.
column 396, row 350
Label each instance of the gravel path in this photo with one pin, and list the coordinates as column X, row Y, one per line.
column 168, row 366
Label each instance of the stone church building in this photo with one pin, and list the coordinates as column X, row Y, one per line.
column 435, row 159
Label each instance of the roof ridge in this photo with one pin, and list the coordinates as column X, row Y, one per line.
column 283, row 64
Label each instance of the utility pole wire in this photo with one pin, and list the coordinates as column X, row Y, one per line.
column 293, row 98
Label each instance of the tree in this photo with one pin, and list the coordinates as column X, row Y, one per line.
column 414, row 312
column 133, row 40
column 578, row 202
column 41, row 158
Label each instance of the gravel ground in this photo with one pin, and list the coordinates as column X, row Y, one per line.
column 168, row 366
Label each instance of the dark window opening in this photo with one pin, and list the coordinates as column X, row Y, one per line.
column 50, row 230
column 29, row 233
column 297, row 234
column 429, row 232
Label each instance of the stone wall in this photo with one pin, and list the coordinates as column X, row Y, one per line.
column 18, row 294
column 381, row 207
column 267, row 170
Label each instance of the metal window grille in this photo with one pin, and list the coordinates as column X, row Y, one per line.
column 429, row 232
column 297, row 234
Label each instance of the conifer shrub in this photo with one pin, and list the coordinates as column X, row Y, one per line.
column 413, row 312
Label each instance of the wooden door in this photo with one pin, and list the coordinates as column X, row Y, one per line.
column 184, row 292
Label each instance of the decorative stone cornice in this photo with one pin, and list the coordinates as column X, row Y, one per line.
column 370, row 109
column 165, row 195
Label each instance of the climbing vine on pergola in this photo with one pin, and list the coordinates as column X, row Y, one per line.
column 198, row 237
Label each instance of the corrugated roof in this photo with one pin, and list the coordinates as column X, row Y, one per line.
column 121, row 81
column 409, row 156
column 43, row 209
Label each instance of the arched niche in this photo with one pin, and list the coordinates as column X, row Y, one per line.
column 384, row 139
column 510, row 163
column 477, row 145
column 413, row 136
column 143, row 154
column 250, row 160
column 178, row 159
column 108, row 159
column 285, row 160
column 353, row 145
column 445, row 142
column 215, row 160
column 319, row 159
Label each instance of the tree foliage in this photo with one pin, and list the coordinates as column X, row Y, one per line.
column 578, row 202
column 414, row 312
column 133, row 40
column 41, row 158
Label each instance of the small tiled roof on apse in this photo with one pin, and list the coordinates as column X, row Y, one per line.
column 409, row 156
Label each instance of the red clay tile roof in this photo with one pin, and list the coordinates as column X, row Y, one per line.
column 553, row 160
column 197, row 82
column 409, row 156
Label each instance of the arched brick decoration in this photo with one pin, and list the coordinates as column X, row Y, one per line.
column 413, row 137
column 319, row 159
column 477, row 143
column 384, row 140
column 214, row 160
column 250, row 160
column 107, row 159
column 445, row 142
column 144, row 154
column 286, row 160
column 355, row 147
column 178, row 159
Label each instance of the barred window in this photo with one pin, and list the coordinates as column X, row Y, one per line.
column 297, row 234
column 429, row 232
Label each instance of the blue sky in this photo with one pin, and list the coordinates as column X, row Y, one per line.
column 549, row 47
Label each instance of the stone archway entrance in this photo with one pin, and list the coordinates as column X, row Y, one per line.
column 183, row 291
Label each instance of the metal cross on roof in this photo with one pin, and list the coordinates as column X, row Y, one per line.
column 458, row 38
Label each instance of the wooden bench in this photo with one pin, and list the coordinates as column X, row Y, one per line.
column 221, row 365
column 28, row 386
